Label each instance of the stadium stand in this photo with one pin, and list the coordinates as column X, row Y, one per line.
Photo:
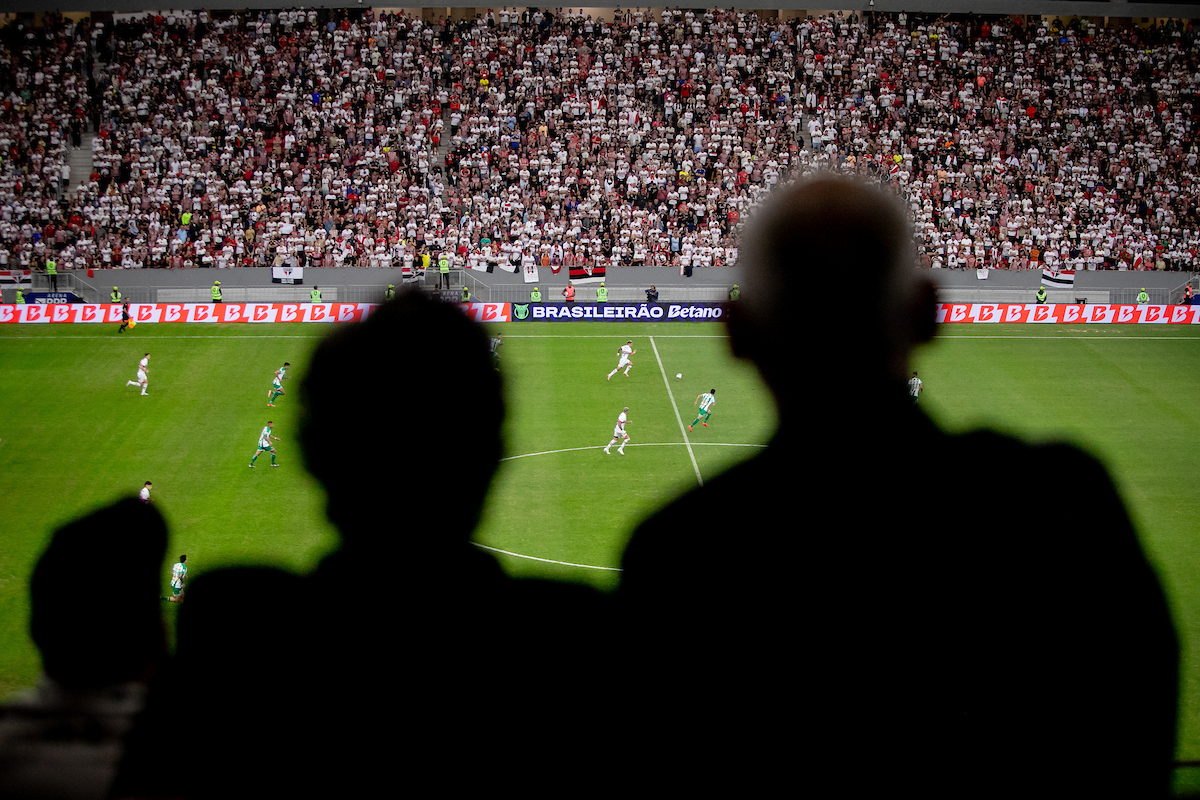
column 350, row 138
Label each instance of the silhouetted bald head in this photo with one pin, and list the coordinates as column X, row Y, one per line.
column 830, row 280
column 383, row 424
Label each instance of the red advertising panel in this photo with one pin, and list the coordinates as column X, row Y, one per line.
column 979, row 313
column 188, row 312
column 1035, row 313
column 488, row 312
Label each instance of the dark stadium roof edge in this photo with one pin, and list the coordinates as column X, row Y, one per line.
column 1082, row 8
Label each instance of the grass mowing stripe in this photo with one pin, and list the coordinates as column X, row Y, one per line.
column 545, row 560
column 667, row 383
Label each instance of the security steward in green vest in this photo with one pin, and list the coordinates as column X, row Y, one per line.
column 216, row 291
column 20, row 296
column 390, row 293
column 52, row 273
column 444, row 271
column 466, row 295
column 734, row 293
column 601, row 294
column 536, row 295
column 1143, row 298
column 116, row 295
column 1041, row 294
column 315, row 295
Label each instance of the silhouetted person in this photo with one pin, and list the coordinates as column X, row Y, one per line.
column 95, row 618
column 402, row 659
column 468, row 634
column 855, row 610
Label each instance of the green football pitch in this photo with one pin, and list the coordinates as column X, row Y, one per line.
column 74, row 436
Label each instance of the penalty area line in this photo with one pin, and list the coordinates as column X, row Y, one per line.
column 546, row 560
column 675, row 406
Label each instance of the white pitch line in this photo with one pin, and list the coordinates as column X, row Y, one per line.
column 1097, row 337
column 285, row 336
column 670, row 394
column 1105, row 337
column 640, row 444
column 609, row 336
column 592, row 447
column 181, row 336
column 546, row 560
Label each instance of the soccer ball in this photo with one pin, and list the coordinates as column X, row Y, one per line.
column 679, row 375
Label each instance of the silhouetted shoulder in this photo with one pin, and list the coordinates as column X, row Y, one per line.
column 237, row 696
column 706, row 524
column 1059, row 605
column 982, row 590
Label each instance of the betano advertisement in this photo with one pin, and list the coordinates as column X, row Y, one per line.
column 571, row 312
column 594, row 312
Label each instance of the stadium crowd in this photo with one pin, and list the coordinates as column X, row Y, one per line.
column 349, row 138
column 408, row 657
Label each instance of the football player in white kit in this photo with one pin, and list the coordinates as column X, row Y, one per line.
column 625, row 352
column 619, row 434
column 914, row 388
column 143, row 373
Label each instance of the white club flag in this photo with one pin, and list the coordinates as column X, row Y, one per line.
column 1058, row 279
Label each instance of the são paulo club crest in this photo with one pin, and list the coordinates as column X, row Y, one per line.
column 521, row 310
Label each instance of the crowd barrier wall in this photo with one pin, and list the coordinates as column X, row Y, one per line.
column 983, row 313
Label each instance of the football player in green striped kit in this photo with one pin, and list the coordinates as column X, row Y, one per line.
column 264, row 444
column 277, row 384
column 706, row 401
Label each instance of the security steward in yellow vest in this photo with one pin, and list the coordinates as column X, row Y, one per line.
column 216, row 291
column 1041, row 295
column 390, row 294
column 601, row 294
column 315, row 295
column 466, row 295
column 536, row 295
column 116, row 295
column 734, row 293
column 20, row 296
column 52, row 273
column 1142, row 297
column 444, row 271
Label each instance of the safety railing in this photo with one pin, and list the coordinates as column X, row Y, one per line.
column 1123, row 295
column 616, row 294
